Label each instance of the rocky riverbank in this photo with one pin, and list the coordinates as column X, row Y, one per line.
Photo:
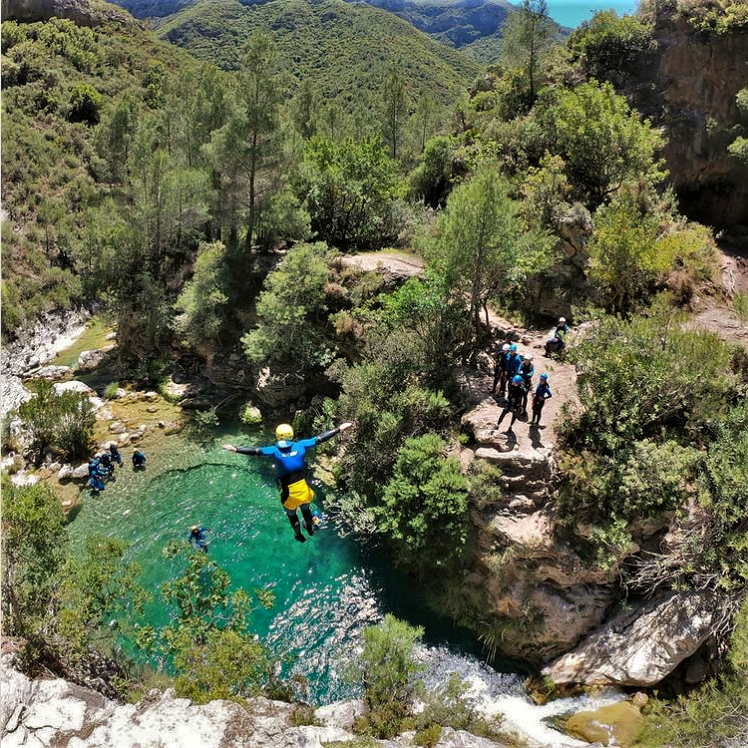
column 35, row 348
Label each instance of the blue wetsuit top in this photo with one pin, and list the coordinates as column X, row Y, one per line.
column 513, row 362
column 543, row 391
column 289, row 458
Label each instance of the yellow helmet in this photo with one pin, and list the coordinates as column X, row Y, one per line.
column 284, row 433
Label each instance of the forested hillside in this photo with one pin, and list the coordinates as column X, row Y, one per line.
column 343, row 47
column 455, row 23
column 209, row 210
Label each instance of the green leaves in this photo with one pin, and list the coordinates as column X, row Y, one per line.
column 388, row 671
column 292, row 310
column 209, row 643
column 601, row 139
column 60, row 424
column 424, row 506
column 349, row 190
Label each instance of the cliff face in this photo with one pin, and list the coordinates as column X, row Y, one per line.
column 687, row 86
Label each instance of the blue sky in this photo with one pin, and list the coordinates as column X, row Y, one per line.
column 572, row 12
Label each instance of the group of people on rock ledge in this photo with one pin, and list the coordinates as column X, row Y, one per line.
column 513, row 378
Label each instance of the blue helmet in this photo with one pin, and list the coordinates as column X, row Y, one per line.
column 517, row 379
column 513, row 347
column 544, row 377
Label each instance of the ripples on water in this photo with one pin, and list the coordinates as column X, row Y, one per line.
column 327, row 590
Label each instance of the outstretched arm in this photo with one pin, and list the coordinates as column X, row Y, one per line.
column 329, row 434
column 243, row 450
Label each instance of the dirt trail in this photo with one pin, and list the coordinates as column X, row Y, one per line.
column 710, row 313
column 714, row 314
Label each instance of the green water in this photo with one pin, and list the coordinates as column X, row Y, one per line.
column 92, row 338
column 327, row 589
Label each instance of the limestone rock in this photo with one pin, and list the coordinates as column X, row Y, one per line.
column 276, row 387
column 175, row 390
column 89, row 360
column 22, row 478
column 73, row 386
column 117, row 427
column 639, row 648
column 575, row 228
column 53, row 373
column 81, row 472
column 171, row 427
column 343, row 713
column 55, row 712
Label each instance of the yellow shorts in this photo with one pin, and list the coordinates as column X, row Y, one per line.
column 298, row 493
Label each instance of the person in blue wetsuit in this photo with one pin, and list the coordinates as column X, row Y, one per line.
column 513, row 362
column 114, row 452
column 138, row 459
column 541, row 394
column 290, row 471
column 198, row 537
column 515, row 395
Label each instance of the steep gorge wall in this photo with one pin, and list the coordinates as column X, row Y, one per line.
column 687, row 86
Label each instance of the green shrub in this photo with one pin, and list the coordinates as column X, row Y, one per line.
column 213, row 652
column 388, row 671
column 424, row 511
column 111, row 390
column 607, row 41
column 61, row 425
column 741, row 305
column 33, row 540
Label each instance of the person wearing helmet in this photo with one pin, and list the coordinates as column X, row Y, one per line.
column 527, row 372
column 541, row 394
column 290, row 471
column 499, row 370
column 513, row 362
column 556, row 342
column 198, row 537
column 138, row 459
column 515, row 395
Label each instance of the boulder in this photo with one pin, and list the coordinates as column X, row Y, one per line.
column 575, row 228
column 171, row 427
column 89, row 360
column 342, row 713
column 53, row 373
column 22, row 478
column 80, row 473
column 641, row 647
column 65, row 474
column 73, row 386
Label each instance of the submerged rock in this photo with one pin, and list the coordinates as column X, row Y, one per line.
column 611, row 724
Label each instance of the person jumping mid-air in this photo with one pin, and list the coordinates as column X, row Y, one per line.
column 290, row 471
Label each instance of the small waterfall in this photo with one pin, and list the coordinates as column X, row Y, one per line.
column 496, row 693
